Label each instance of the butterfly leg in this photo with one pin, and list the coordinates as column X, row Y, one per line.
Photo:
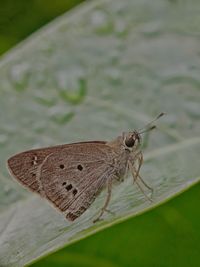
column 104, row 208
column 111, row 212
column 138, row 158
column 134, row 171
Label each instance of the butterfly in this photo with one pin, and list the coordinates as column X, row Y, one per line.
column 71, row 176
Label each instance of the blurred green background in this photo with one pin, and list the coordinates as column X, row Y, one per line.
column 167, row 236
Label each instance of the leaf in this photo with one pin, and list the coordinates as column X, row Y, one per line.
column 133, row 62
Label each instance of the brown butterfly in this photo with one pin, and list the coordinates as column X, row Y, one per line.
column 71, row 176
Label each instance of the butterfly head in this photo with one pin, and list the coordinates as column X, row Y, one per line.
column 132, row 140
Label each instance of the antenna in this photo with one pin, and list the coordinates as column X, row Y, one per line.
column 148, row 127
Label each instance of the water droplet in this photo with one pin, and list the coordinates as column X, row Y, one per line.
column 45, row 99
column 20, row 74
column 120, row 28
column 99, row 18
column 75, row 96
column 101, row 22
column 60, row 116
column 151, row 29
column 114, row 75
column 193, row 109
column 3, row 139
column 39, row 126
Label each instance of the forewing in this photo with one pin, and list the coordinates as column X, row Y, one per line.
column 25, row 166
column 72, row 178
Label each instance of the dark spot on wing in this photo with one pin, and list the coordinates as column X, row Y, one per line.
column 75, row 191
column 69, row 187
column 62, row 166
column 80, row 167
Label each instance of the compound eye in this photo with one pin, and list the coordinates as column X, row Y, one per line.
column 129, row 142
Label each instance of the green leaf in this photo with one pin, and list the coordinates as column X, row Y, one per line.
column 105, row 68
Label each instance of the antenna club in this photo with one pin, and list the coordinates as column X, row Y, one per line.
column 148, row 126
column 160, row 115
column 153, row 127
column 148, row 129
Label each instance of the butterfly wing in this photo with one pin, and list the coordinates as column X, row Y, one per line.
column 83, row 201
column 72, row 177
column 25, row 166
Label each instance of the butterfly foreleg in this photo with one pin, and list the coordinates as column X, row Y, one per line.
column 136, row 159
column 135, row 164
column 134, row 171
column 104, row 208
